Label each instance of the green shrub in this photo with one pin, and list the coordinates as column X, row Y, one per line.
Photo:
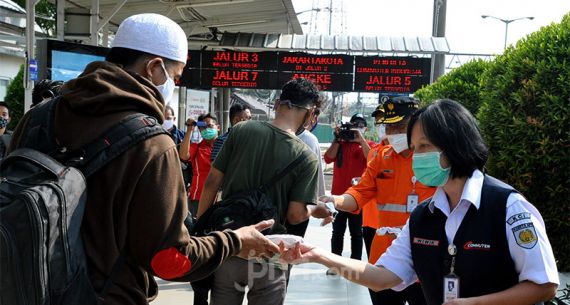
column 525, row 119
column 15, row 98
column 462, row 84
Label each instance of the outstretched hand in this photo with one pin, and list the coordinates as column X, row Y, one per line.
column 299, row 254
column 255, row 244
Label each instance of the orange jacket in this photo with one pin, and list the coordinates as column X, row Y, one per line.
column 388, row 181
column 370, row 214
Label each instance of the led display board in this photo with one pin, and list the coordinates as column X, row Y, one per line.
column 261, row 61
column 222, row 78
column 391, row 74
column 332, row 72
column 303, row 62
column 324, row 81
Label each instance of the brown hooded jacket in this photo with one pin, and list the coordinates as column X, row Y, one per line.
column 137, row 202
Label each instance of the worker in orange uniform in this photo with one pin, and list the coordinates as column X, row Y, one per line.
column 370, row 214
column 389, row 181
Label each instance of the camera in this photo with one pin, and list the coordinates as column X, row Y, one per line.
column 346, row 133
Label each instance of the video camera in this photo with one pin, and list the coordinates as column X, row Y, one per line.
column 346, row 133
column 200, row 124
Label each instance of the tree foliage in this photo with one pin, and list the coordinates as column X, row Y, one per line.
column 525, row 119
column 462, row 84
column 46, row 11
column 15, row 98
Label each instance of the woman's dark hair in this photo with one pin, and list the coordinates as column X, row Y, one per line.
column 302, row 92
column 129, row 57
column 236, row 109
column 453, row 129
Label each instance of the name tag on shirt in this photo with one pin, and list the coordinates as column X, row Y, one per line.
column 412, row 202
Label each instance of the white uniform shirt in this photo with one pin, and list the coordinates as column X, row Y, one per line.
column 526, row 236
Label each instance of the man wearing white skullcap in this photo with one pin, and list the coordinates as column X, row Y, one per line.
column 136, row 204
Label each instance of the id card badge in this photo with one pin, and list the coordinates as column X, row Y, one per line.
column 412, row 202
column 450, row 287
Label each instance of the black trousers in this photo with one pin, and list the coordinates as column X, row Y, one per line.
column 368, row 235
column 201, row 291
column 355, row 228
column 413, row 295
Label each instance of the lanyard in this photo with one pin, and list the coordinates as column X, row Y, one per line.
column 451, row 281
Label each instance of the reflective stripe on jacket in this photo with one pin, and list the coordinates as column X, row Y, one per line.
column 388, row 180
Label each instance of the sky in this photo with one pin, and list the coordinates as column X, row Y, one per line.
column 466, row 31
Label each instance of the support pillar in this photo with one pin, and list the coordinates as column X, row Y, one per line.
column 60, row 19
column 225, row 111
column 30, row 51
column 94, row 29
column 182, row 98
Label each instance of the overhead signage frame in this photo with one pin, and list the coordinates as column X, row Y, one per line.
column 332, row 72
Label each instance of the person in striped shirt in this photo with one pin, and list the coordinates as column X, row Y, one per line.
column 238, row 113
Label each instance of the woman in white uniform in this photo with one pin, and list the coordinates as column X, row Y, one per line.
column 476, row 241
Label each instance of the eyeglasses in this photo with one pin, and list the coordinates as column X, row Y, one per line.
column 290, row 104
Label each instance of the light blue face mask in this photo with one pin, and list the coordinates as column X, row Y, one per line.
column 209, row 133
column 427, row 168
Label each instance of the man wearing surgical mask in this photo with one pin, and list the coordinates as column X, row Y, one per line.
column 198, row 155
column 349, row 157
column 252, row 154
column 5, row 134
column 170, row 125
column 390, row 184
column 136, row 204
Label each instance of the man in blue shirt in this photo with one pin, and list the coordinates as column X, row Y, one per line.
column 170, row 125
column 177, row 135
column 238, row 113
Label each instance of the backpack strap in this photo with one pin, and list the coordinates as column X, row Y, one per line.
column 39, row 132
column 133, row 129
column 280, row 175
column 130, row 131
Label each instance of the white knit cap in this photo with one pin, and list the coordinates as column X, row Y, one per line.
column 154, row 34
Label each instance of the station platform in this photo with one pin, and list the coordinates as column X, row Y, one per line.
column 308, row 284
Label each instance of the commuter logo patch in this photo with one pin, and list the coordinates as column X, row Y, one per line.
column 426, row 242
column 525, row 235
column 476, row 246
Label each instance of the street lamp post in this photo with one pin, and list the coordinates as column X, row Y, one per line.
column 506, row 22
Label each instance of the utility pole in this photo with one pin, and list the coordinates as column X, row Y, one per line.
column 438, row 30
column 333, row 108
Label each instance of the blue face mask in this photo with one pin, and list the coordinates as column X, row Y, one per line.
column 3, row 122
column 427, row 168
column 209, row 133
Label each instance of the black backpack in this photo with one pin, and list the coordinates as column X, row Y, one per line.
column 245, row 208
column 42, row 200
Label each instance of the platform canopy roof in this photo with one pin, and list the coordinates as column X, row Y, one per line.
column 338, row 43
column 200, row 16
column 202, row 20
